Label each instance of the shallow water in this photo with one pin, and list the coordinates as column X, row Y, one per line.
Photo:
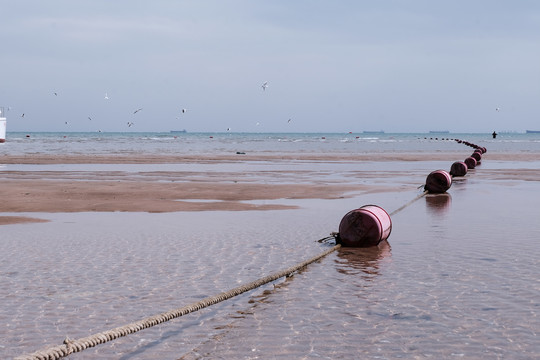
column 457, row 279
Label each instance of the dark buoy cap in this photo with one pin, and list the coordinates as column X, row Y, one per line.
column 471, row 162
column 438, row 182
column 459, row 168
column 364, row 227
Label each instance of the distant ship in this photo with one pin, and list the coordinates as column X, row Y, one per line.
column 532, row 131
column 178, row 131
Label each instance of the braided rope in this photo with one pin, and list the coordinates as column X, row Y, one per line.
column 71, row 346
column 409, row 203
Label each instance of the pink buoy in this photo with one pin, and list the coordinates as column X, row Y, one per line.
column 459, row 168
column 471, row 162
column 438, row 182
column 477, row 157
column 364, row 227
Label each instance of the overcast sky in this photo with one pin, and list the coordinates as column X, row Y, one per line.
column 331, row 66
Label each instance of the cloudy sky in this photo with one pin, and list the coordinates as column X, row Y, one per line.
column 331, row 66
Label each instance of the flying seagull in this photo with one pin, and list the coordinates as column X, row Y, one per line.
column 106, row 96
column 264, row 85
column 130, row 124
column 184, row 111
column 22, row 115
column 89, row 118
column 136, row 111
column 289, row 121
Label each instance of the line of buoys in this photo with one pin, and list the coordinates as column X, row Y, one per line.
column 370, row 224
column 437, row 181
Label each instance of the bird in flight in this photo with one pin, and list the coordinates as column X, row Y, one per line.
column 89, row 118
column 136, row 111
column 289, row 121
column 106, row 96
column 497, row 109
column 264, row 85
column 22, row 115
column 55, row 94
column 130, row 124
column 184, row 111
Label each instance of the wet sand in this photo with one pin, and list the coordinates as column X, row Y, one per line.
column 168, row 191
column 56, row 190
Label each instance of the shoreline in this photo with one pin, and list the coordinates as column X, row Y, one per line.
column 237, row 189
column 47, row 159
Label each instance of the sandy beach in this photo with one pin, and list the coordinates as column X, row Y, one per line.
column 166, row 191
column 112, row 239
column 169, row 191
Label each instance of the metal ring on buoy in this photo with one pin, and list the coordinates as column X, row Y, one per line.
column 438, row 182
column 364, row 227
column 471, row 162
column 459, row 168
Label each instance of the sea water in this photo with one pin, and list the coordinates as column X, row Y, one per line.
column 133, row 143
column 458, row 277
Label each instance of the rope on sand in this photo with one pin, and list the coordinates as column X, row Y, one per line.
column 72, row 346
column 409, row 203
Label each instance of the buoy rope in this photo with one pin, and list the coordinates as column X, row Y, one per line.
column 71, row 346
column 409, row 203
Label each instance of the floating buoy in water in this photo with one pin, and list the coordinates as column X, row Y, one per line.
column 459, row 168
column 364, row 227
column 438, row 182
column 471, row 162
column 477, row 156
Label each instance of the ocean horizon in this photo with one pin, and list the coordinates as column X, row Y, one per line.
column 220, row 143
